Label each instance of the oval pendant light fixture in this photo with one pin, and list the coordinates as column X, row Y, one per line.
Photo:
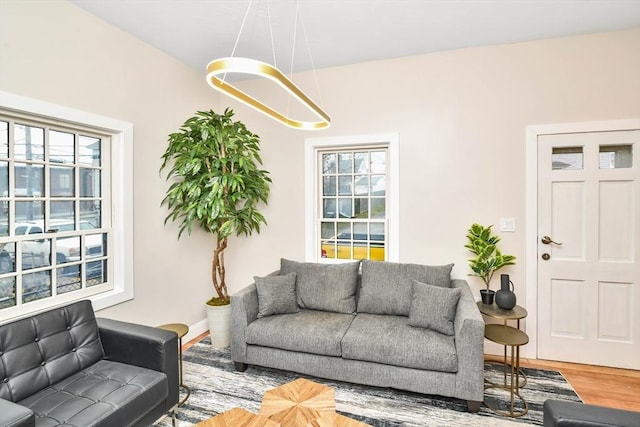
column 228, row 66
column 233, row 65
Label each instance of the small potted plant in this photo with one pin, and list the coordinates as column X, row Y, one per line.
column 214, row 165
column 488, row 258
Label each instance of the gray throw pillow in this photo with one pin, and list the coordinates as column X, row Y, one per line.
column 325, row 287
column 434, row 307
column 276, row 295
column 386, row 287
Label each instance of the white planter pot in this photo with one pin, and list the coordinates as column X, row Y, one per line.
column 219, row 318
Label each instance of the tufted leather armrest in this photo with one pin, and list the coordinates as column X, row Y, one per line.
column 143, row 346
column 14, row 415
column 562, row 413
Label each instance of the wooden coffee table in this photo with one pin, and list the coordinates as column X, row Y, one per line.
column 300, row 403
column 238, row 417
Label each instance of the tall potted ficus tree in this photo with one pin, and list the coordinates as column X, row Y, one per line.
column 488, row 258
column 217, row 183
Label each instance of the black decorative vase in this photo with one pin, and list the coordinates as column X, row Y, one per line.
column 505, row 298
column 487, row 296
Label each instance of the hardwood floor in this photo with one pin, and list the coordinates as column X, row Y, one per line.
column 597, row 385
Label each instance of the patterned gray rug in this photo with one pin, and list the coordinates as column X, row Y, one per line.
column 216, row 387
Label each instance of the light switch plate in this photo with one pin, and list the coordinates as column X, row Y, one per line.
column 508, row 224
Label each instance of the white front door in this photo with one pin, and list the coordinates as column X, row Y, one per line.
column 589, row 275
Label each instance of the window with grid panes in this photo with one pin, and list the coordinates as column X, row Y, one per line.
column 54, row 222
column 353, row 220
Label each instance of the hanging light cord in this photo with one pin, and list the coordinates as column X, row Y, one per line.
column 235, row 45
column 244, row 20
column 313, row 65
column 273, row 46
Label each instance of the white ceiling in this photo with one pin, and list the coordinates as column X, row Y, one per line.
column 340, row 32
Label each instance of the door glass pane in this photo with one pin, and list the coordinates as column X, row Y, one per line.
column 567, row 158
column 615, row 156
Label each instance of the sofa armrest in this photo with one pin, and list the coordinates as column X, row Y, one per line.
column 469, row 337
column 562, row 413
column 14, row 415
column 143, row 346
column 244, row 310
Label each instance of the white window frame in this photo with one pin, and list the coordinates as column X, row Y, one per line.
column 121, row 209
column 311, row 185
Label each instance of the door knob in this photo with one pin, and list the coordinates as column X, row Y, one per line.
column 546, row 256
column 546, row 240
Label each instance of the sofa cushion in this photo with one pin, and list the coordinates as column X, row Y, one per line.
column 104, row 394
column 433, row 307
column 390, row 340
column 387, row 287
column 276, row 294
column 326, row 287
column 41, row 350
column 309, row 331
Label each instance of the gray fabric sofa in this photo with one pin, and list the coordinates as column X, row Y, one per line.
column 65, row 367
column 404, row 326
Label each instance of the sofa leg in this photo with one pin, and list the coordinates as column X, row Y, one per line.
column 473, row 405
column 240, row 367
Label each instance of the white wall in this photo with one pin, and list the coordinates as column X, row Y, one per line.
column 56, row 52
column 461, row 116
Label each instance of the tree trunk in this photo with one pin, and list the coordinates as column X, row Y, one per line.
column 218, row 272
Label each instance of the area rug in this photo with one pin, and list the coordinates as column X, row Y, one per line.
column 216, row 387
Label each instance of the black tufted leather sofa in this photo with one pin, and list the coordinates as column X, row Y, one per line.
column 65, row 367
